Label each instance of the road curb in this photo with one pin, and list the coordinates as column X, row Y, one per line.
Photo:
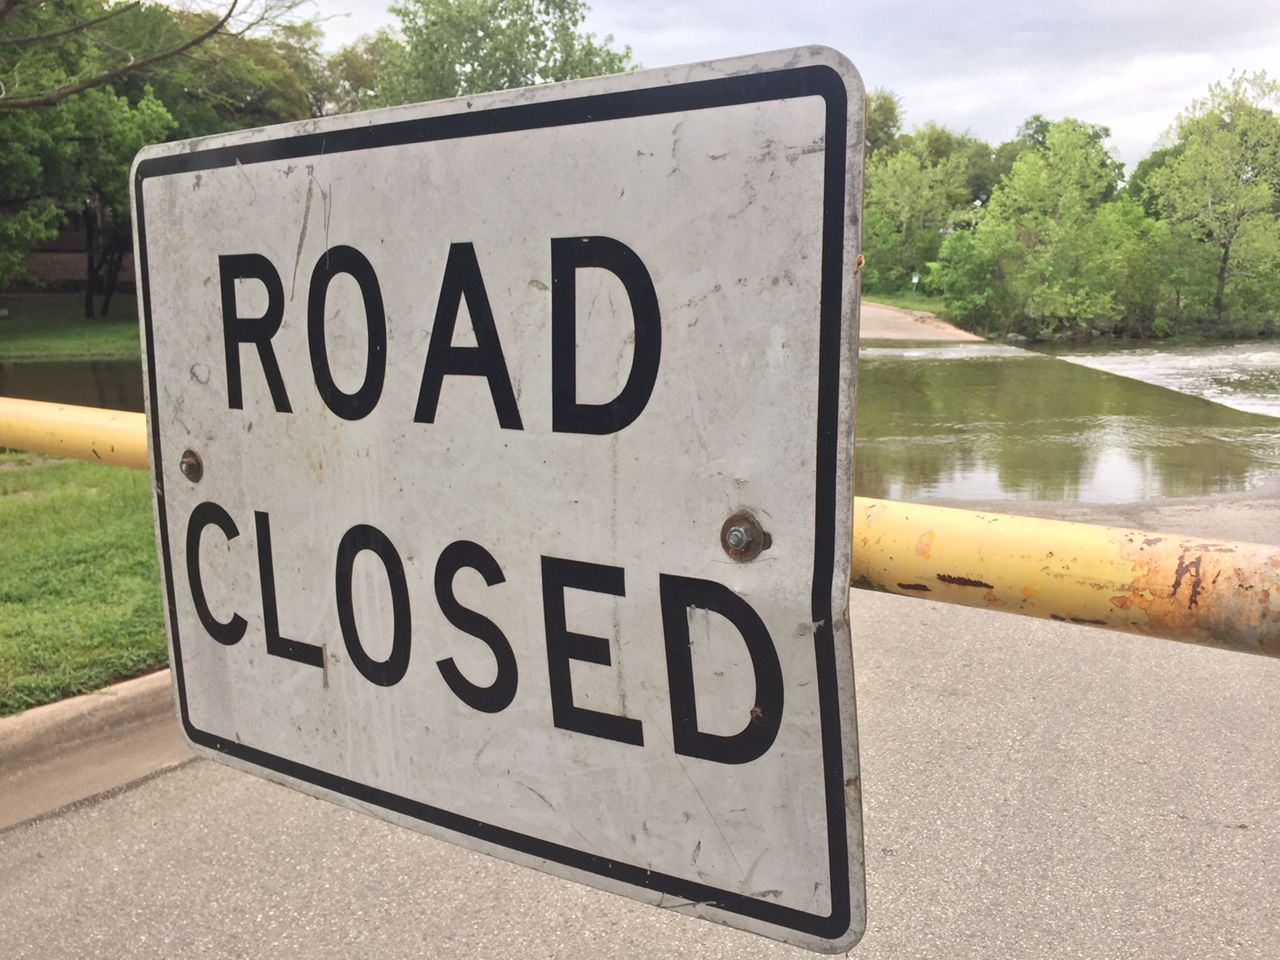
column 37, row 733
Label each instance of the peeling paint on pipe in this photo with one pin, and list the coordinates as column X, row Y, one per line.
column 1212, row 592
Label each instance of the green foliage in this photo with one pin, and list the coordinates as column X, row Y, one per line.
column 1137, row 186
column 55, row 158
column 883, row 120
column 936, row 145
column 50, row 52
column 85, row 83
column 233, row 81
column 1043, row 256
column 1223, row 185
column 1190, row 245
column 356, row 71
column 909, row 197
column 458, row 47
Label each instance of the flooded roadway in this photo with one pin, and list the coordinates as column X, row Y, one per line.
column 992, row 422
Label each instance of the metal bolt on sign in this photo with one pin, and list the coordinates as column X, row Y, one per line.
column 191, row 465
column 743, row 538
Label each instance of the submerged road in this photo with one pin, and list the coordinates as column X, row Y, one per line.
column 1032, row 790
column 879, row 321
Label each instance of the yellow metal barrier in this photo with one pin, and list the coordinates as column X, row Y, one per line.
column 85, row 433
column 1211, row 592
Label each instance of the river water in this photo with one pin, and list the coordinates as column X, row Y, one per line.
column 992, row 422
column 981, row 421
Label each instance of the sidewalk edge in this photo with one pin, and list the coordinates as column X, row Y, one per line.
column 26, row 737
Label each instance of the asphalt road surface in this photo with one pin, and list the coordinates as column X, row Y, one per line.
column 1032, row 790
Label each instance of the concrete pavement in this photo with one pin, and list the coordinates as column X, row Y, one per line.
column 65, row 752
column 1032, row 790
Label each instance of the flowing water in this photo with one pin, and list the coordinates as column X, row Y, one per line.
column 981, row 421
column 990, row 422
column 1241, row 375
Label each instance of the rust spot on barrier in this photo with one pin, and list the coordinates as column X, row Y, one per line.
column 1212, row 548
column 1181, row 571
column 918, row 587
column 866, row 583
column 964, row 581
column 1152, row 541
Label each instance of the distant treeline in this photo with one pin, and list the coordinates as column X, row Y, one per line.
column 1045, row 236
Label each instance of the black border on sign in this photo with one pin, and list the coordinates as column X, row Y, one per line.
column 814, row 80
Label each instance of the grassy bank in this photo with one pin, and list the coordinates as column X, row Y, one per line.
column 79, row 589
column 52, row 325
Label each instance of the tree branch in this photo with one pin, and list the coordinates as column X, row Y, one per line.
column 53, row 98
column 74, row 28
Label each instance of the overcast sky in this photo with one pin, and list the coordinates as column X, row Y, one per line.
column 982, row 67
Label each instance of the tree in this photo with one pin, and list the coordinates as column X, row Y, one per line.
column 61, row 158
column 76, row 105
column 52, row 51
column 457, row 47
column 236, row 81
column 1224, row 186
column 884, row 119
column 1043, row 256
column 1033, row 134
column 910, row 196
column 935, row 144
column 1138, row 187
column 297, row 46
column 357, row 70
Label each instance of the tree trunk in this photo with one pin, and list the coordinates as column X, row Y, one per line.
column 91, row 264
column 113, row 262
column 1219, row 294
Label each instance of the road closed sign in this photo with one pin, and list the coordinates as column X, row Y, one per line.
column 502, row 462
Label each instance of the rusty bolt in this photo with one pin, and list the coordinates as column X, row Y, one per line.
column 191, row 465
column 743, row 538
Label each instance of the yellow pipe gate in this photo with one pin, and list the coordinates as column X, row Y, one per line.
column 1211, row 592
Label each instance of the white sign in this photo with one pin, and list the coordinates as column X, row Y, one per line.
column 449, row 406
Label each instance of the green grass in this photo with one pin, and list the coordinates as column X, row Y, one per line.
column 79, row 589
column 52, row 325
column 907, row 300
